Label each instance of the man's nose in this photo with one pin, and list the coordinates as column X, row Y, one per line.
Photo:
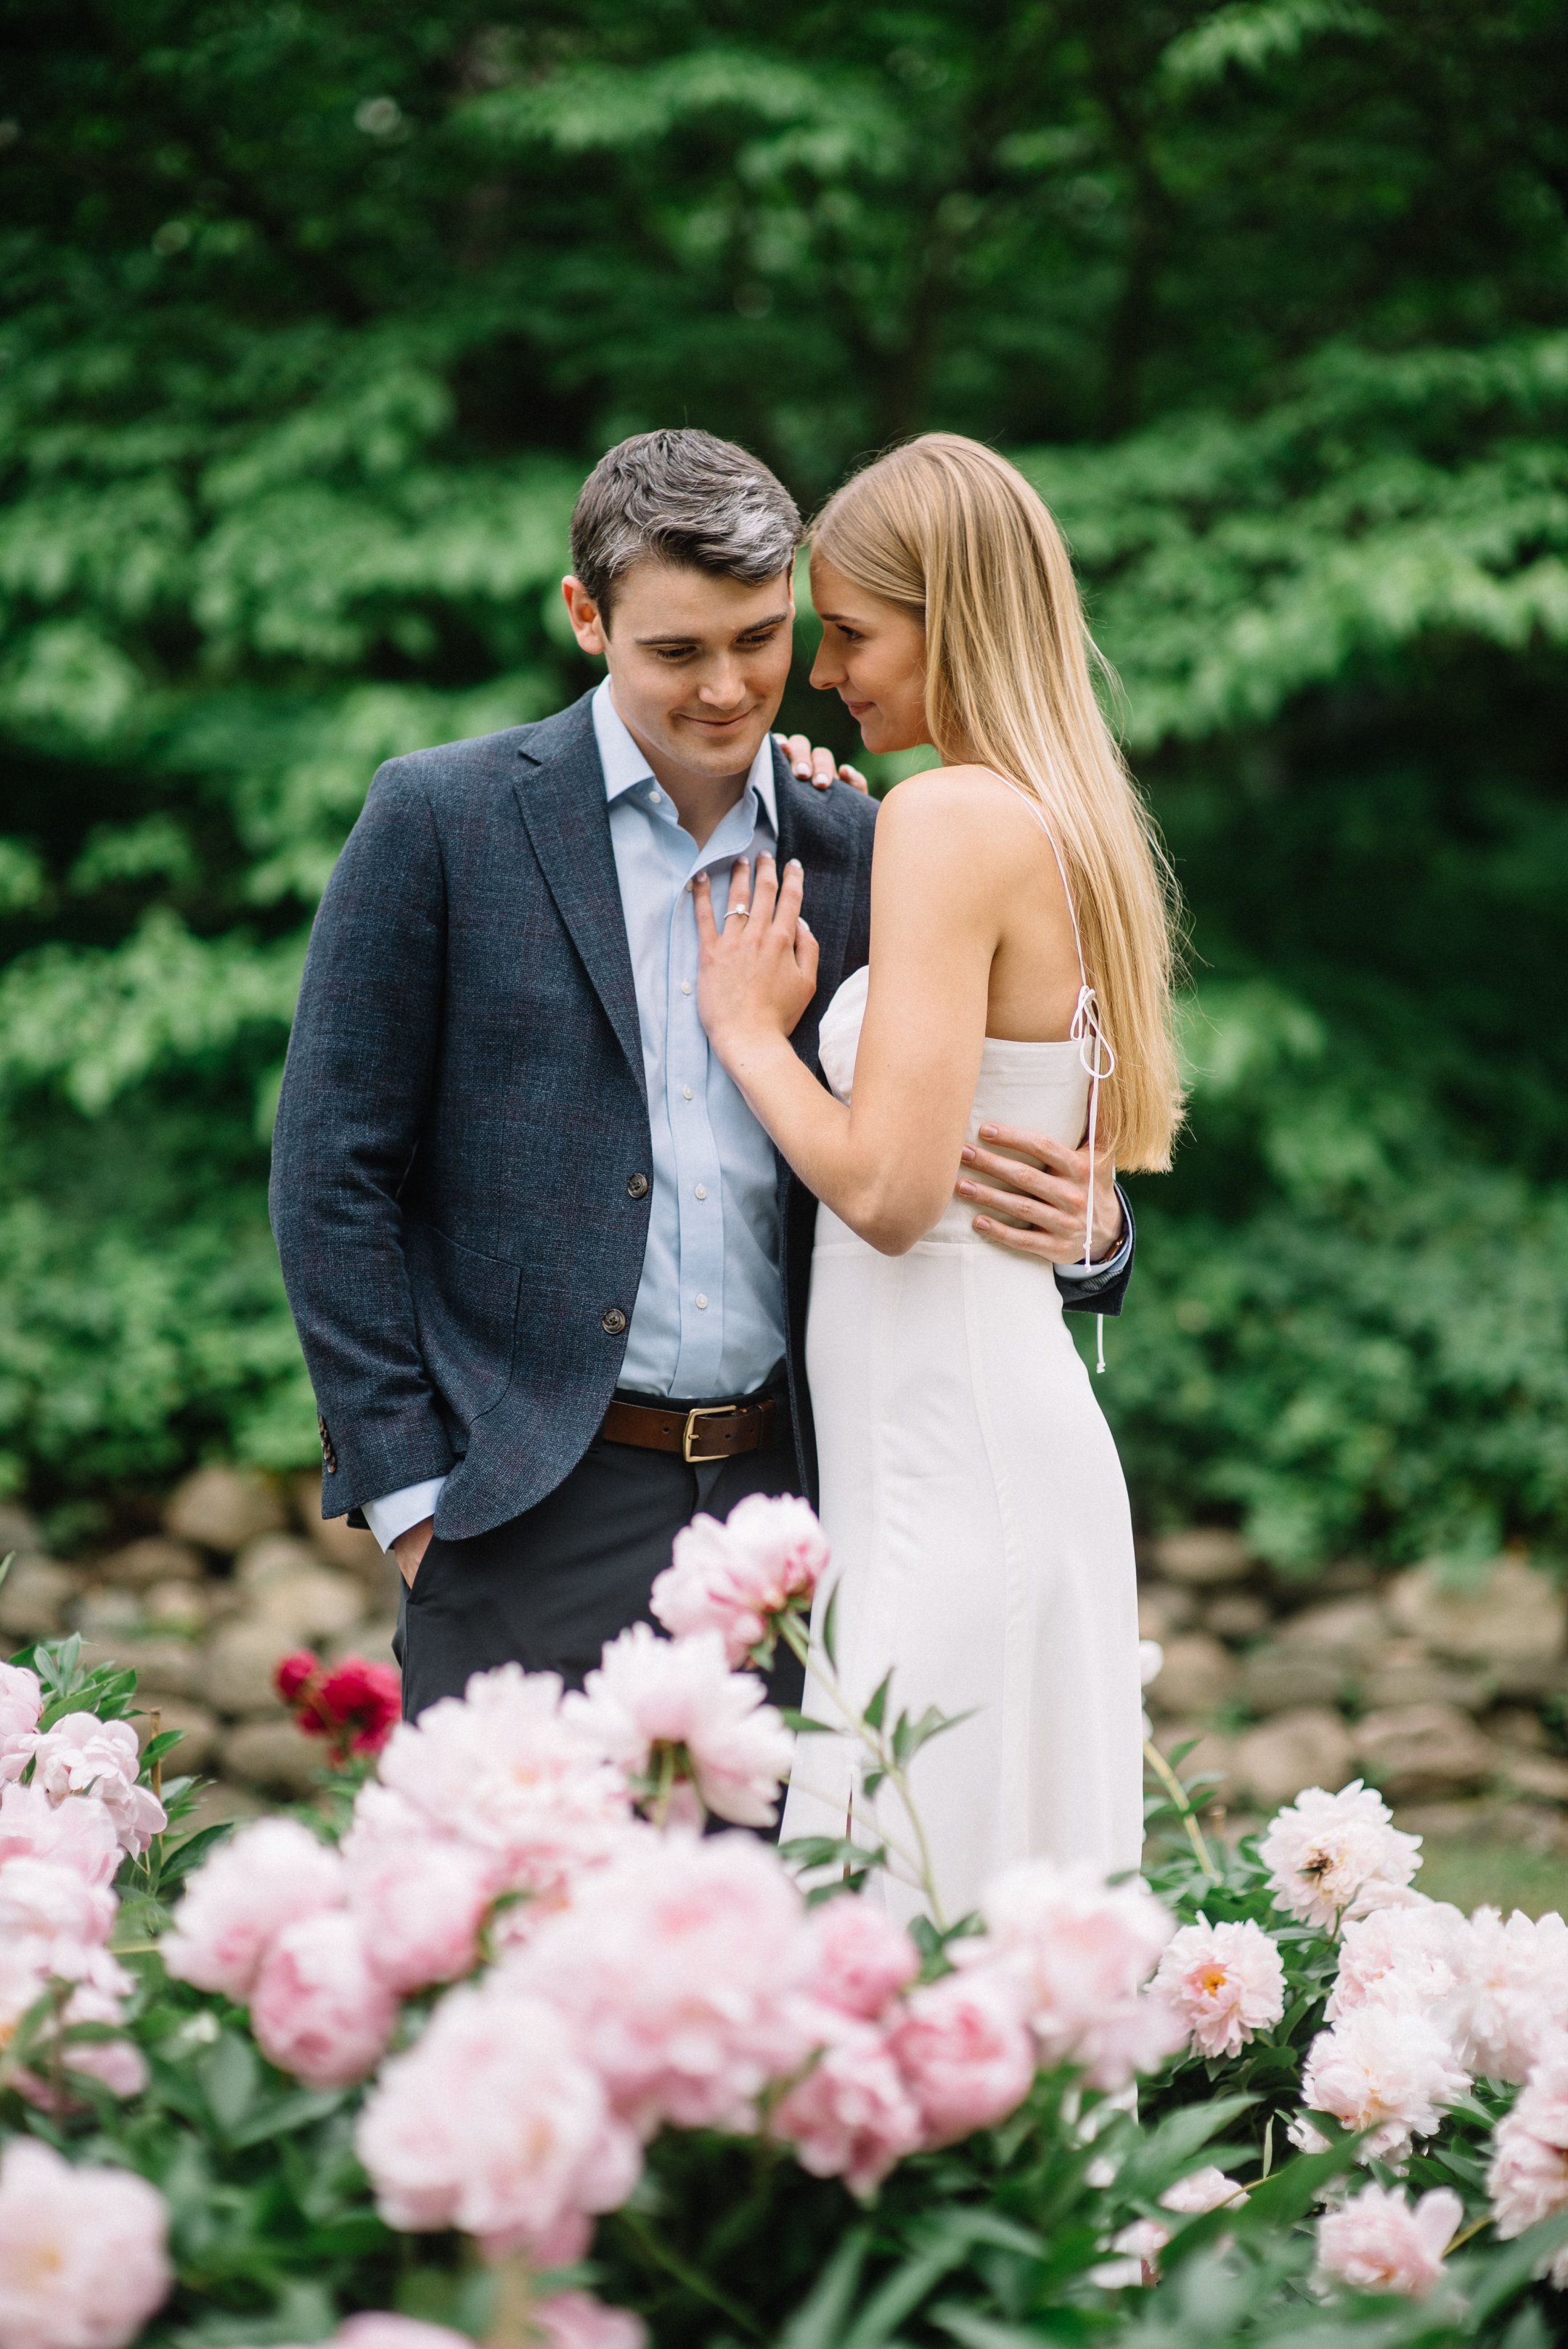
column 723, row 689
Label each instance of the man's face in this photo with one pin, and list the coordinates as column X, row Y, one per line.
column 697, row 664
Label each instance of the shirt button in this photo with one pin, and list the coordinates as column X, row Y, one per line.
column 612, row 1323
column 702, row 1190
column 657, row 796
column 685, row 1092
column 686, row 986
column 701, row 1302
column 636, row 1187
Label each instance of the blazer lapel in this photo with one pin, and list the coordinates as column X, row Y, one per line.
column 828, row 904
column 560, row 791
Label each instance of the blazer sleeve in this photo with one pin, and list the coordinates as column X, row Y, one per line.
column 356, row 1094
column 1102, row 1292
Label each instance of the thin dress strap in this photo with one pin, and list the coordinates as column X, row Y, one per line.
column 1094, row 1053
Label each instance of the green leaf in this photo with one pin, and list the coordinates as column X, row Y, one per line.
column 877, row 1705
column 818, row 2323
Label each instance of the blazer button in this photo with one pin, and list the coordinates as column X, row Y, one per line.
column 636, row 1187
column 613, row 1322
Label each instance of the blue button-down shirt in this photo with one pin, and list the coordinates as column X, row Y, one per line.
column 709, row 1316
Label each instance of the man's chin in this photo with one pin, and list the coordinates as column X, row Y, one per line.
column 712, row 751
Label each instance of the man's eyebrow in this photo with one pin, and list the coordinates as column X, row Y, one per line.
column 686, row 637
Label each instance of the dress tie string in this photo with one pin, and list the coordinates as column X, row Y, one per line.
column 1098, row 1062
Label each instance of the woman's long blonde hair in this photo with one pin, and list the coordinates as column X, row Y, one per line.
column 947, row 529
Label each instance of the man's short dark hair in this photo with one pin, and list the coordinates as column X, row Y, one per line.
column 682, row 498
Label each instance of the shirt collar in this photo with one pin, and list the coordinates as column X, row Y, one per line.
column 625, row 766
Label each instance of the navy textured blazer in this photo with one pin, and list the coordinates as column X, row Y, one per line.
column 460, row 1162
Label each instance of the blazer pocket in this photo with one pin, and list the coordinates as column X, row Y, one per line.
column 465, row 1309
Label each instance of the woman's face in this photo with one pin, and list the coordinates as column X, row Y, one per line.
column 873, row 656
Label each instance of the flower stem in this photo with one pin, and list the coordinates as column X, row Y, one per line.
column 684, row 2273
column 1178, row 1792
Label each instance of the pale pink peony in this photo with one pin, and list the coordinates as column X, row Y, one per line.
column 1383, row 2068
column 1226, row 1982
column 575, row 2320
column 1514, row 1994
column 1377, row 2242
column 681, row 1965
column 734, row 1579
column 83, row 2263
column 1200, row 2191
column 21, row 1703
column 862, row 1960
column 1527, row 2180
column 1329, row 1856
column 419, row 1901
column 317, row 2009
column 650, row 1697
column 84, row 1755
column 1080, row 1951
column 117, row 2064
column 272, row 1874
column 504, row 1769
column 79, row 1835
column 852, row 2115
column 380, row 2329
column 1418, row 1951
column 55, row 1913
column 494, row 2123
column 965, row 2052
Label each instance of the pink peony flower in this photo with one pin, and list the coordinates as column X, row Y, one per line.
column 575, row 2320
column 1529, row 2176
column 494, row 2123
column 852, row 2115
column 1417, row 1952
column 380, row 2329
column 57, row 1913
column 965, row 2053
column 82, row 1754
column 1226, row 1982
column 1330, row 1855
column 115, row 2064
column 862, row 1958
column 272, row 1874
column 681, row 1966
column 1377, row 2242
column 737, row 1577
column 419, row 1901
column 21, row 1703
column 1200, row 2190
column 1383, row 2068
column 1514, row 1994
column 651, row 1697
column 1080, row 1951
column 501, row 1768
column 83, row 2263
column 317, row 2009
column 79, row 1835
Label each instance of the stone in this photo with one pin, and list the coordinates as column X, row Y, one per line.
column 1516, row 1724
column 108, row 1611
column 1236, row 1615
column 222, row 1804
column 1349, row 1630
column 1544, row 1776
column 155, row 1559
column 372, row 1641
column 310, row 1607
column 1308, row 1747
column 1345, row 1576
column 19, row 1530
column 241, row 1662
column 178, row 1606
column 1196, row 1676
column 350, row 1547
column 35, row 1598
column 163, row 1667
column 1201, row 1555
column 275, row 1756
column 1414, row 1752
column 1511, row 1619
column 223, row 1508
column 1406, row 1674
column 198, row 1735
column 1272, row 1681
column 273, row 1557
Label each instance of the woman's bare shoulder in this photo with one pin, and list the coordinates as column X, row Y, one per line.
column 960, row 807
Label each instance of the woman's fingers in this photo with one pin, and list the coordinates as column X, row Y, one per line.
column 791, row 889
column 764, row 890
column 703, row 907
column 1039, row 1213
column 1055, row 1190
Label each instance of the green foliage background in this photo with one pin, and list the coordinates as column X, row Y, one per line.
column 316, row 313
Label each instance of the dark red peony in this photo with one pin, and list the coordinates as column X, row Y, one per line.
column 355, row 1705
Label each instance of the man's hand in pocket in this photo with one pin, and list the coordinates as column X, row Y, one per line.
column 411, row 1546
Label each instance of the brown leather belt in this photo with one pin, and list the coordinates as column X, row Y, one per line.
column 709, row 1431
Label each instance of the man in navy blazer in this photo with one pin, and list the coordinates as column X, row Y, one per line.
column 549, row 1275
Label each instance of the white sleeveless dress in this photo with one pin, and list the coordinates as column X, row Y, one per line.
column 977, row 1517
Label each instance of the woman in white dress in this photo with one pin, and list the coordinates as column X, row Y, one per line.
column 1020, row 977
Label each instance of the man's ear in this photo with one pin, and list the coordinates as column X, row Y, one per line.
column 588, row 623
